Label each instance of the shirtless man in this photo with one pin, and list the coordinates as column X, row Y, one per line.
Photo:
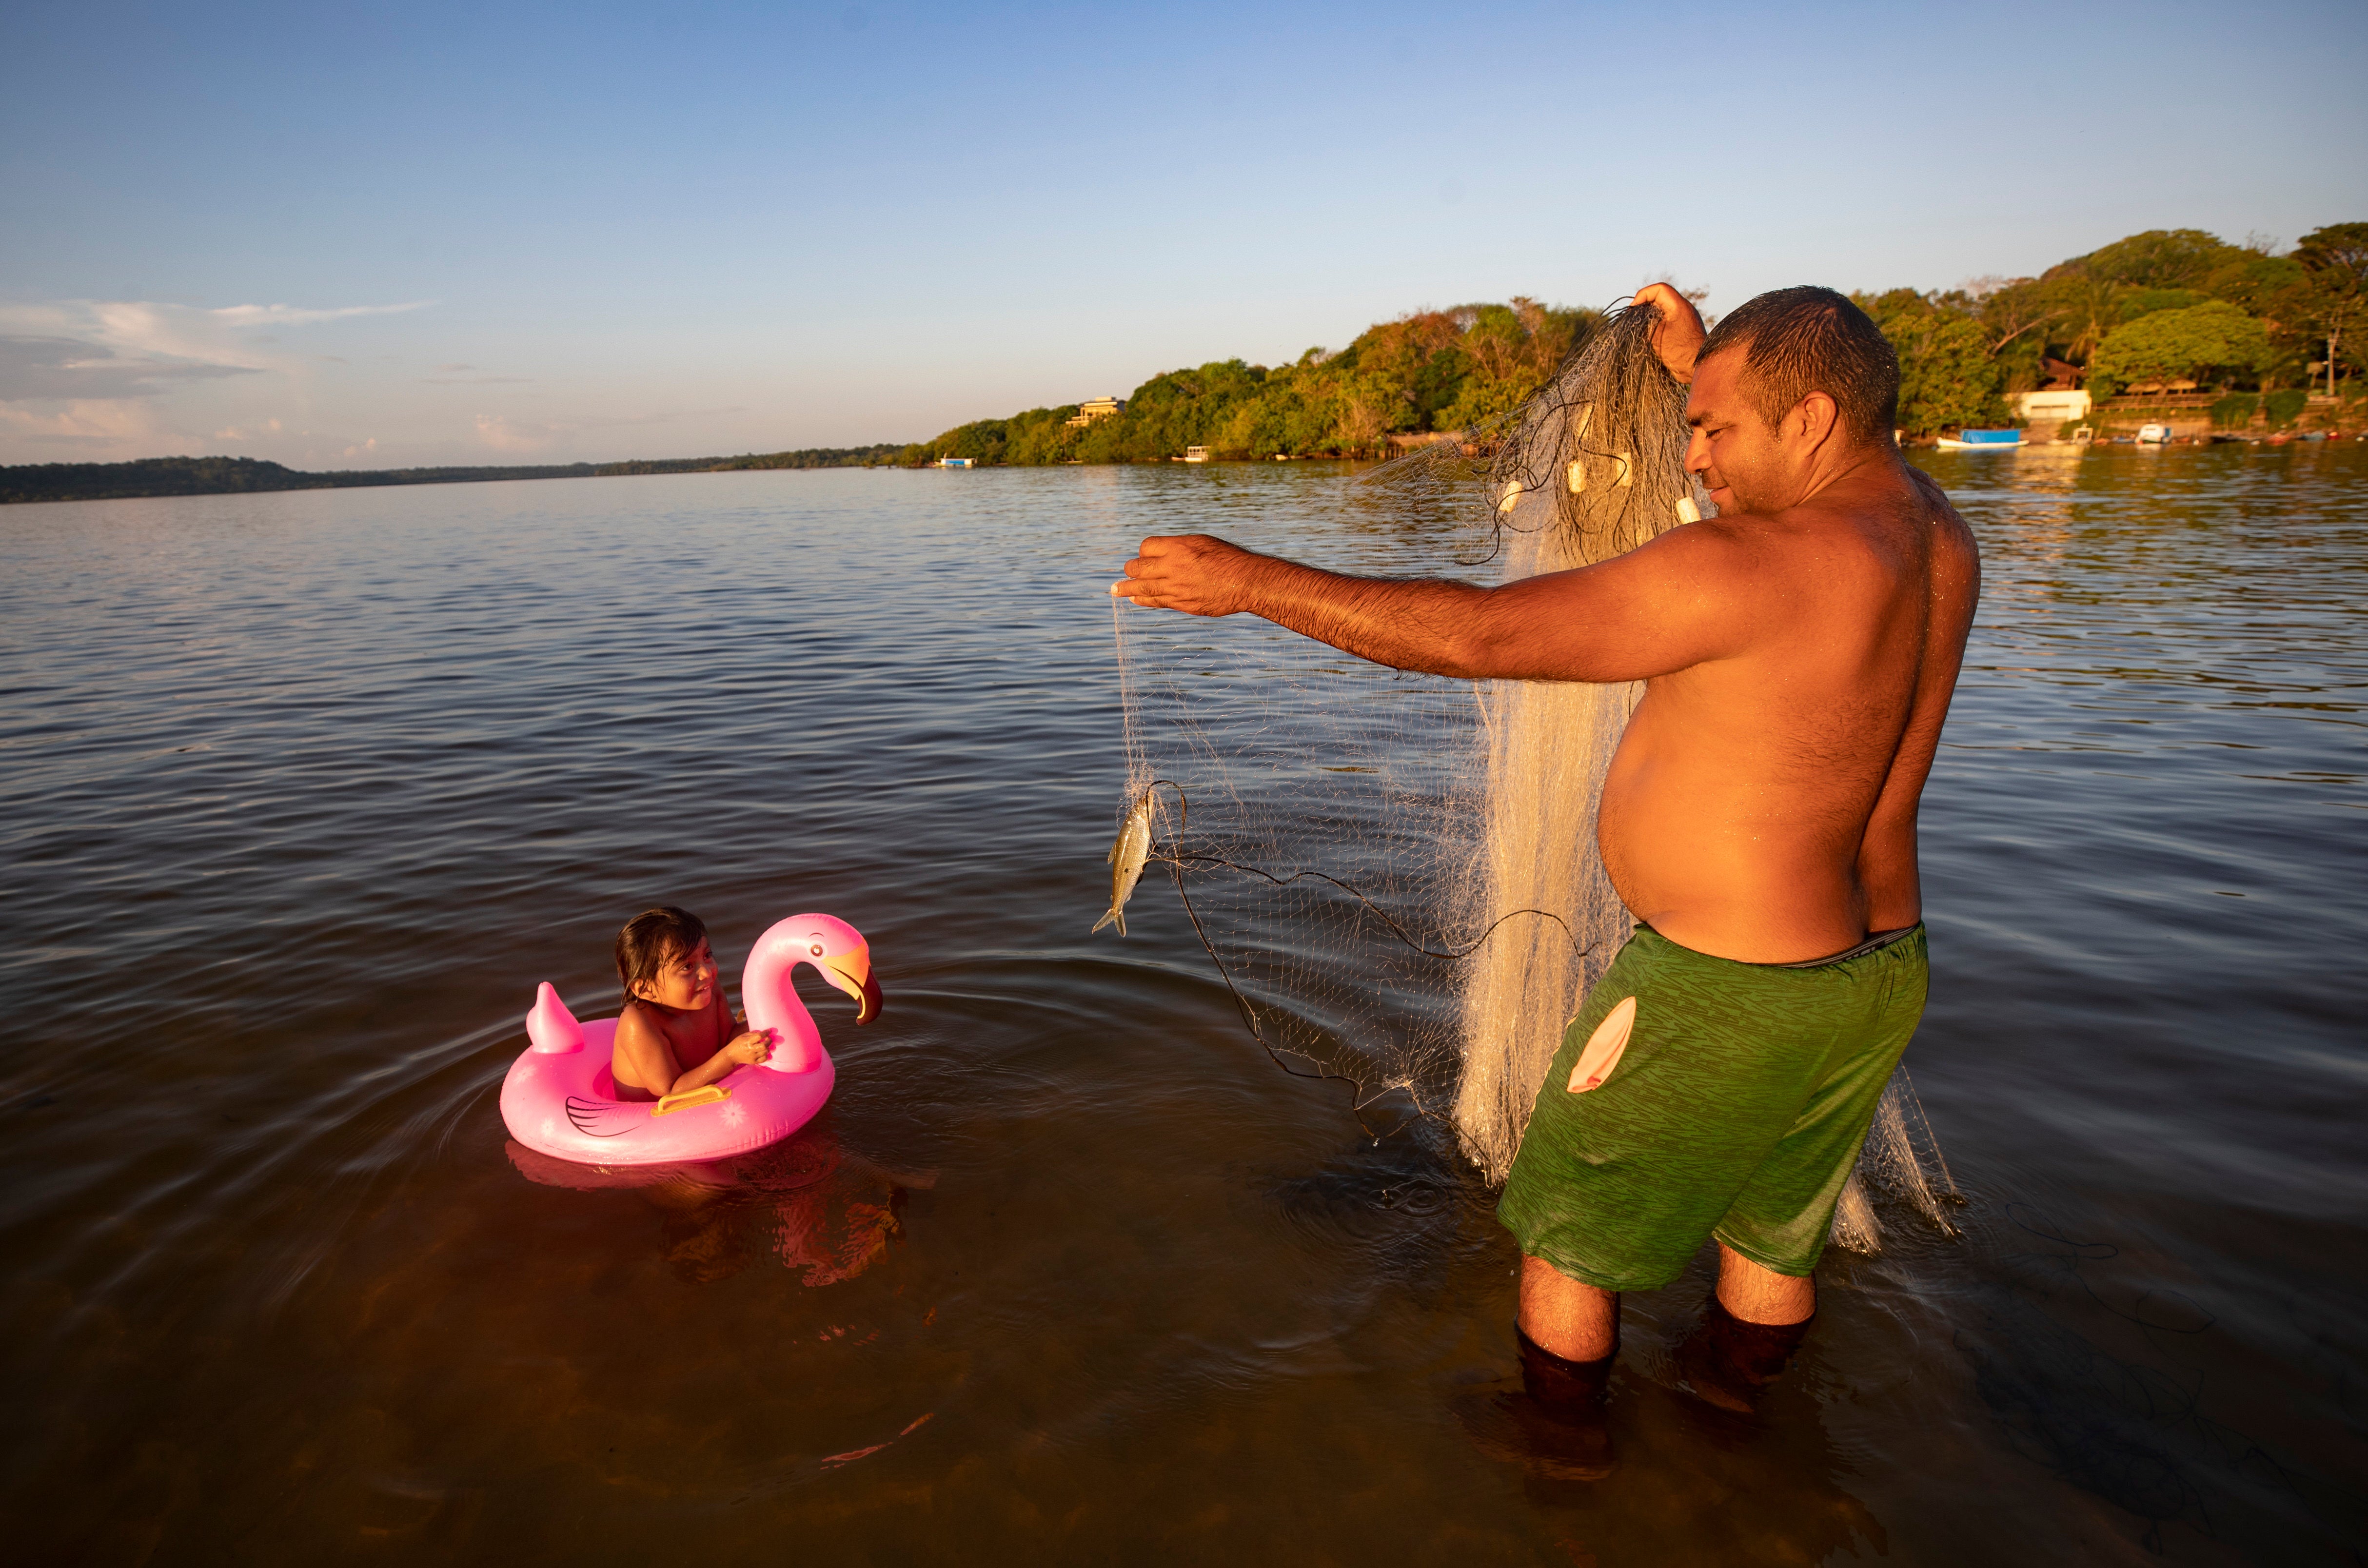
column 1759, row 819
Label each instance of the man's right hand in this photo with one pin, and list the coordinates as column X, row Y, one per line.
column 1197, row 574
column 1678, row 335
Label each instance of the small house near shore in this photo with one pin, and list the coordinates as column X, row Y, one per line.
column 2055, row 404
column 1094, row 409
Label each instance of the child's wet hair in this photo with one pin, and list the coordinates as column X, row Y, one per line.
column 650, row 939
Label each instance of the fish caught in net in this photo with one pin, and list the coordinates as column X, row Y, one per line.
column 1396, row 873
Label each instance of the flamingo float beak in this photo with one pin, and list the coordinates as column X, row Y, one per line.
column 851, row 973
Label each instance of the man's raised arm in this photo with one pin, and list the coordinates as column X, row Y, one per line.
column 1672, row 604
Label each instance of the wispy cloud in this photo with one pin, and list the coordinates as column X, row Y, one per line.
column 504, row 436
column 97, row 423
column 141, row 346
column 66, row 369
column 299, row 315
column 99, row 373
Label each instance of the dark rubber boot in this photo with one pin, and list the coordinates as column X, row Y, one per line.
column 1573, row 1391
column 1726, row 1361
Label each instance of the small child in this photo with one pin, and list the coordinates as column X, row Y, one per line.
column 674, row 1010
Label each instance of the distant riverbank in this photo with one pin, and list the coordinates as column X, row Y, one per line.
column 230, row 476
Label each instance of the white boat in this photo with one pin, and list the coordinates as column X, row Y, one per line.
column 2153, row 434
column 1196, row 454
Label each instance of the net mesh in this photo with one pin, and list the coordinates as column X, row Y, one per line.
column 1396, row 874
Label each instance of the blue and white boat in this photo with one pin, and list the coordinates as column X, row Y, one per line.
column 1982, row 441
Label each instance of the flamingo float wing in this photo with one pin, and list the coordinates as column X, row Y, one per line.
column 605, row 1118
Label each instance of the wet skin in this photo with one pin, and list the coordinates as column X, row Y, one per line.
column 1798, row 652
column 680, row 1017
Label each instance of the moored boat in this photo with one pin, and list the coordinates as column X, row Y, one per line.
column 1982, row 441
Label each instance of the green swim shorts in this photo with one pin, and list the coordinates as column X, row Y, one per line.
column 1734, row 1110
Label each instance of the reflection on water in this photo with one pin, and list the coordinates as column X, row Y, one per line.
column 809, row 1201
column 302, row 793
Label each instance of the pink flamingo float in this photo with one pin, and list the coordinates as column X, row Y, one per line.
column 560, row 1098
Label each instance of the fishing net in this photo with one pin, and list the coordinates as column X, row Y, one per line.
column 1395, row 873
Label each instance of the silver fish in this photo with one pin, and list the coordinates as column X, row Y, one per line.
column 1128, row 851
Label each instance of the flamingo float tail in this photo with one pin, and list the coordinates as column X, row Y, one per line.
column 551, row 1027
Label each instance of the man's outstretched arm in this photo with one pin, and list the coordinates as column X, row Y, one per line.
column 1651, row 612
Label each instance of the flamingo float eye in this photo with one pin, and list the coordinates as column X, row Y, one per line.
column 816, row 949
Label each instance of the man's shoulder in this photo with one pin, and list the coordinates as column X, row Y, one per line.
column 1869, row 503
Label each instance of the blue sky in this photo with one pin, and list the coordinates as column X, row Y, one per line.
column 349, row 237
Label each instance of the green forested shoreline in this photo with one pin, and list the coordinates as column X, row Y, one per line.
column 2164, row 306
column 2156, row 310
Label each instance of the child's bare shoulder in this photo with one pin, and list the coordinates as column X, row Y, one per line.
column 639, row 1027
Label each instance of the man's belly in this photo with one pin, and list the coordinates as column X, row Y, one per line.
column 1716, row 858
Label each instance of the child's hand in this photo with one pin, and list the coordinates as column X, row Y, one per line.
column 747, row 1050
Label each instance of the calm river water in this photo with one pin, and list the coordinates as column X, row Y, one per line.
column 302, row 794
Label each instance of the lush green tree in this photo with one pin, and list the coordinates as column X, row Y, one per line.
column 1948, row 378
column 1369, row 406
column 1260, row 427
column 2017, row 316
column 1041, row 436
column 1171, row 412
column 2334, row 261
column 2166, row 270
column 2213, row 339
column 2129, row 304
column 2255, row 281
column 2089, row 307
column 2159, row 258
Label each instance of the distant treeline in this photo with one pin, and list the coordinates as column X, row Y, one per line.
column 887, row 454
column 2150, row 311
column 1431, row 370
column 221, row 476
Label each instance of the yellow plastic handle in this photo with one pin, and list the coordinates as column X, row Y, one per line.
column 690, row 1098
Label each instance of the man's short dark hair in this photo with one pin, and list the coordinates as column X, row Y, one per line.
column 1798, row 341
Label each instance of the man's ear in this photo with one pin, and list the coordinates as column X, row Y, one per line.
column 1813, row 418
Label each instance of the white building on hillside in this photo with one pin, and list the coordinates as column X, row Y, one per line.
column 2065, row 403
column 1096, row 408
